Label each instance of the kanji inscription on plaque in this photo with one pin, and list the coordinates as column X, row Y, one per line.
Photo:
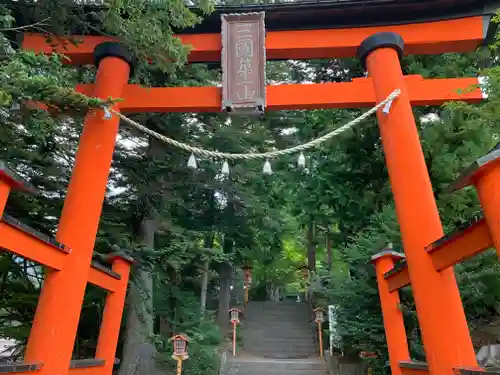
column 243, row 63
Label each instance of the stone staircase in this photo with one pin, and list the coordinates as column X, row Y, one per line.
column 277, row 340
column 279, row 330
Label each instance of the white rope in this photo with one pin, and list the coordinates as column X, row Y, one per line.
column 265, row 155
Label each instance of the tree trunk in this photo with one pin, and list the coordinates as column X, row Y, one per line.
column 139, row 352
column 311, row 245
column 225, row 277
column 165, row 329
column 209, row 240
column 273, row 292
column 329, row 249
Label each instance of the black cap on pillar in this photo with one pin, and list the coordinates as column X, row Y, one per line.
column 380, row 40
column 114, row 49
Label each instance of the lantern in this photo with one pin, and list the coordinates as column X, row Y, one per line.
column 234, row 314
column 247, row 273
column 234, row 317
column 180, row 347
column 367, row 355
column 319, row 315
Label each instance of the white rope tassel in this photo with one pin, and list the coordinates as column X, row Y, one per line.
column 107, row 114
column 267, row 168
column 387, row 107
column 301, row 161
column 225, row 168
column 192, row 162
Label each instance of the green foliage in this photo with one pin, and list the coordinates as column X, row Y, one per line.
column 27, row 76
column 179, row 309
column 34, row 77
column 18, row 300
column 148, row 28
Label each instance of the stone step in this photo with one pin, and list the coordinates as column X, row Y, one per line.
column 288, row 348
column 278, row 307
column 264, row 316
column 278, row 311
column 278, row 339
column 276, row 319
column 291, row 331
column 299, row 325
column 254, row 348
column 280, row 335
column 268, row 350
column 260, row 364
column 276, row 315
column 289, row 324
column 270, row 341
column 282, row 352
column 285, row 355
column 277, row 372
column 265, row 340
column 284, row 303
column 279, row 331
column 294, row 326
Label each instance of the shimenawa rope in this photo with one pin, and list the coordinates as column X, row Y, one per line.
column 251, row 156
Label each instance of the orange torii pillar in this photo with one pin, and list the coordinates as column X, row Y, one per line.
column 56, row 320
column 4, row 193
column 484, row 174
column 440, row 312
column 395, row 332
column 113, row 312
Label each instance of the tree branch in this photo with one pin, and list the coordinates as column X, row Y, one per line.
column 25, row 26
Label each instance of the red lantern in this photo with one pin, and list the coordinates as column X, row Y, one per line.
column 234, row 315
column 247, row 273
column 180, row 346
column 367, row 355
column 319, row 315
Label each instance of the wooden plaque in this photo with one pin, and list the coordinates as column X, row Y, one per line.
column 243, row 63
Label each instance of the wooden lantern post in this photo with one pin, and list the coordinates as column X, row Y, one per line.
column 235, row 319
column 181, row 342
column 247, row 273
column 319, row 318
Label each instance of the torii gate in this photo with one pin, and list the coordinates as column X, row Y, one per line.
column 442, row 321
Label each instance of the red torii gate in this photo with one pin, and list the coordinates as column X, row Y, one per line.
column 443, row 324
